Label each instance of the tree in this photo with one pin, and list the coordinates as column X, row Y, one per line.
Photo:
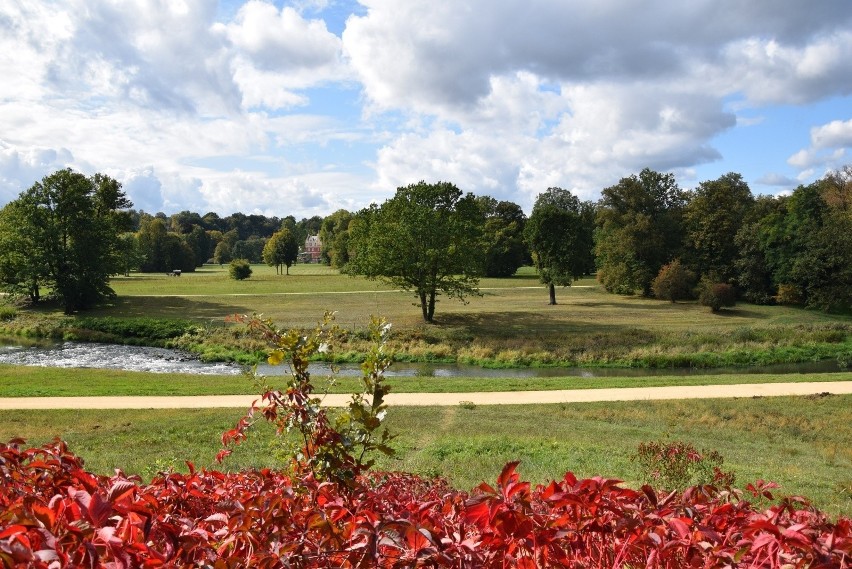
column 281, row 249
column 426, row 239
column 557, row 239
column 128, row 248
column 716, row 211
column 222, row 253
column 505, row 249
column 674, row 282
column 639, row 230
column 334, row 235
column 68, row 225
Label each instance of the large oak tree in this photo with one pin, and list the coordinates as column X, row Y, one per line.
column 426, row 239
column 67, row 225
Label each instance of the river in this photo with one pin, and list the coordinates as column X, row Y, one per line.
column 161, row 360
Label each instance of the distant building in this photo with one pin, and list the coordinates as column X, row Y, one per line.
column 313, row 249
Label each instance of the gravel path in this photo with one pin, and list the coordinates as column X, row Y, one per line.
column 449, row 399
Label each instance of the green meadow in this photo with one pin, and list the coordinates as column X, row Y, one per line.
column 510, row 325
column 804, row 444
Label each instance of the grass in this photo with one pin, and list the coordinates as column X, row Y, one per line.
column 511, row 325
column 803, row 443
column 26, row 381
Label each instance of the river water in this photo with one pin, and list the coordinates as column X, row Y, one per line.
column 160, row 360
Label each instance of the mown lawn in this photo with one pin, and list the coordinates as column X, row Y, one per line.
column 28, row 381
column 509, row 325
column 803, row 443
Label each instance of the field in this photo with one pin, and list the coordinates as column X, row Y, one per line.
column 804, row 443
column 510, row 325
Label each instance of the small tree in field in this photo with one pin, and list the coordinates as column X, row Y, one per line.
column 717, row 295
column 240, row 269
column 674, row 282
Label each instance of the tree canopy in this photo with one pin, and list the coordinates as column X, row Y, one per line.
column 426, row 239
column 68, row 225
column 281, row 249
column 639, row 230
column 559, row 238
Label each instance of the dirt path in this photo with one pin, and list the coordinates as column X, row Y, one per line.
column 412, row 399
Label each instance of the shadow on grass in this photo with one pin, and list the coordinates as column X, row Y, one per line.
column 740, row 313
column 171, row 307
column 522, row 325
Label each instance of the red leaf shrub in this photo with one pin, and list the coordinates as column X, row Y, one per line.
column 55, row 514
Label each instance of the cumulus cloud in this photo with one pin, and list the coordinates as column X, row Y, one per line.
column 238, row 108
column 828, row 149
column 21, row 167
column 578, row 95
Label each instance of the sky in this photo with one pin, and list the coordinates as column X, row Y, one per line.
column 304, row 107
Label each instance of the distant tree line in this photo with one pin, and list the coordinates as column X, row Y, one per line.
column 645, row 236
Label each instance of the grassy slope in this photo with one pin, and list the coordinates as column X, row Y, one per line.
column 23, row 381
column 802, row 443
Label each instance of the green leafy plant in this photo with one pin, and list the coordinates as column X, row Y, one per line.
column 332, row 445
column 240, row 269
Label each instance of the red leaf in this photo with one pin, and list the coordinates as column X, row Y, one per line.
column 508, row 474
column 681, row 526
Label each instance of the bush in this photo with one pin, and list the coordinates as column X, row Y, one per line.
column 790, row 294
column 240, row 269
column 677, row 465
column 674, row 282
column 717, row 295
column 8, row 312
column 55, row 514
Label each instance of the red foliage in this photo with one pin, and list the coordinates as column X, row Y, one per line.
column 55, row 514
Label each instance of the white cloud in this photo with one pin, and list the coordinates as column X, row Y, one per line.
column 21, row 167
column 505, row 98
column 833, row 135
column 828, row 149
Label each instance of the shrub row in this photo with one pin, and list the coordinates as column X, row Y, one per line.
column 55, row 514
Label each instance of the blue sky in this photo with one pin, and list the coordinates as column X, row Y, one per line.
column 304, row 107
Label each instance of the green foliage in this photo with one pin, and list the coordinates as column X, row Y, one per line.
column 714, row 214
column 8, row 312
column 333, row 446
column 222, row 253
column 639, row 230
column 426, row 239
column 62, row 233
column 503, row 237
column 678, row 465
column 162, row 250
column 140, row 327
column 334, row 235
column 281, row 249
column 716, row 295
column 675, row 282
column 789, row 295
column 558, row 238
column 239, row 269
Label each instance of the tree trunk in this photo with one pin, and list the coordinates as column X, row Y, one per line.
column 552, row 294
column 424, row 307
column 431, row 306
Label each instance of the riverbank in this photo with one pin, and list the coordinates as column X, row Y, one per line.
column 752, row 341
